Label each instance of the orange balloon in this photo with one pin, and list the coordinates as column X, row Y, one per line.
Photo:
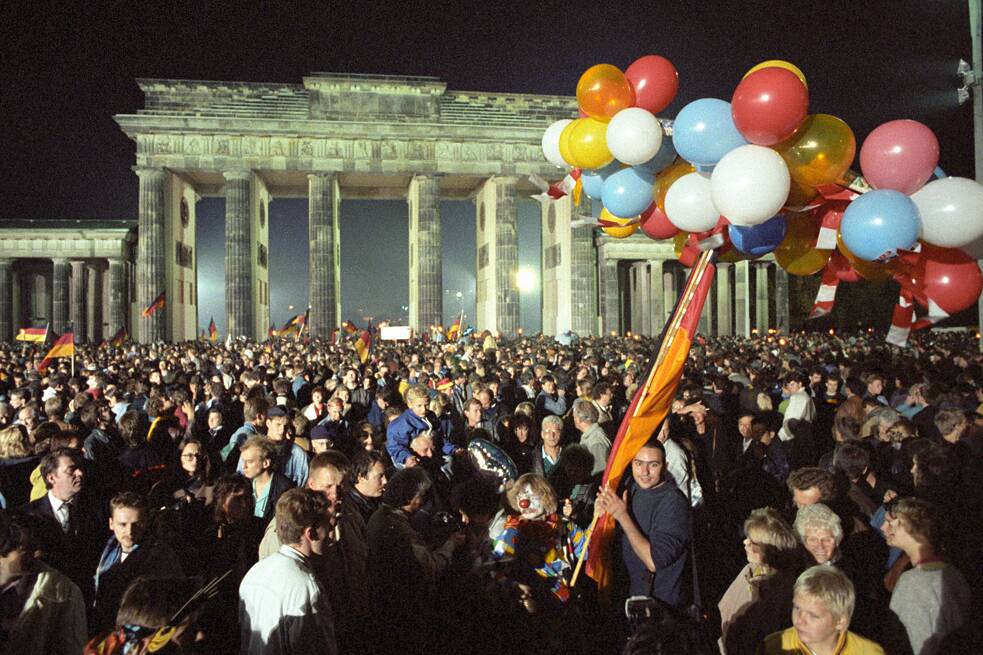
column 820, row 152
column 867, row 270
column 797, row 253
column 667, row 178
column 619, row 228
column 603, row 91
column 679, row 242
column 800, row 196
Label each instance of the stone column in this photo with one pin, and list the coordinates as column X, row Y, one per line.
column 725, row 308
column 610, row 300
column 6, row 301
column 657, row 297
column 322, row 206
column 151, row 258
column 59, row 295
column 93, row 304
column 507, row 256
column 781, row 300
column 742, row 304
column 239, row 308
column 39, row 301
column 583, row 289
column 670, row 293
column 641, row 307
column 762, row 313
column 425, row 261
column 117, row 297
column 77, row 301
column 706, row 317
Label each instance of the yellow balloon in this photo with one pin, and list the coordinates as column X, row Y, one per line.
column 780, row 63
column 679, row 242
column 666, row 178
column 797, row 253
column 800, row 196
column 619, row 228
column 871, row 271
column 820, row 152
column 588, row 144
column 565, row 142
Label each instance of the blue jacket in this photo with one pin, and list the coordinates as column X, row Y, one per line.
column 405, row 428
column 239, row 437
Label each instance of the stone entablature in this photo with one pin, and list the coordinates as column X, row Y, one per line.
column 80, row 239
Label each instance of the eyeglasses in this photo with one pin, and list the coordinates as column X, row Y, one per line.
column 191, row 456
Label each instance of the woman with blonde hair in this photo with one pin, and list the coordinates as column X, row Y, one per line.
column 760, row 598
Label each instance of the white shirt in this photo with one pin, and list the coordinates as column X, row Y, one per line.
column 677, row 465
column 283, row 609
column 800, row 406
column 61, row 515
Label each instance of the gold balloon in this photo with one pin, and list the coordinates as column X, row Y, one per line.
column 666, row 178
column 797, row 253
column 679, row 242
column 871, row 271
column 800, row 196
column 618, row 228
column 588, row 145
column 603, row 91
column 565, row 142
column 780, row 63
column 820, row 152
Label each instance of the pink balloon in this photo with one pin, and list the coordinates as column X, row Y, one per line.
column 899, row 155
column 656, row 224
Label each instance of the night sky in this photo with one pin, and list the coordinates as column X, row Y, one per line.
column 67, row 68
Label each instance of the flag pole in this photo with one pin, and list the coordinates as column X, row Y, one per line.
column 699, row 269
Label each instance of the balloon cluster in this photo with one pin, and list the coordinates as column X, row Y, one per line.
column 764, row 175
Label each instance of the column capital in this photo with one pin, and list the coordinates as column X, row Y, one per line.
column 244, row 174
column 321, row 175
column 60, row 260
column 149, row 171
column 503, row 179
column 723, row 265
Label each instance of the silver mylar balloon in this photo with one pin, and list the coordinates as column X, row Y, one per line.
column 488, row 457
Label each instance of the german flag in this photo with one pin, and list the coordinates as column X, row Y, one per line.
column 64, row 347
column 292, row 326
column 158, row 303
column 454, row 331
column 212, row 330
column 33, row 335
column 303, row 322
column 650, row 406
column 363, row 345
column 348, row 327
column 119, row 338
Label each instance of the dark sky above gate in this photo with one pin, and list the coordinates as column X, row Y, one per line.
column 66, row 68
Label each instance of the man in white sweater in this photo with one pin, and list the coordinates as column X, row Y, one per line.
column 800, row 405
column 282, row 607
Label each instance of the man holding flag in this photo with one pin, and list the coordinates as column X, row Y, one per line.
column 651, row 516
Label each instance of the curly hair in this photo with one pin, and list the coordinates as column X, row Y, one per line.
column 539, row 486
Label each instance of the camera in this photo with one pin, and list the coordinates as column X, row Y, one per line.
column 640, row 610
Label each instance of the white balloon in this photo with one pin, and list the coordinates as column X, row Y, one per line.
column 951, row 211
column 551, row 143
column 634, row 136
column 689, row 204
column 750, row 184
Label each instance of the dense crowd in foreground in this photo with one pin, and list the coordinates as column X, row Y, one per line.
column 810, row 493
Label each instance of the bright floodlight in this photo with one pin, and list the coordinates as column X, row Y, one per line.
column 525, row 279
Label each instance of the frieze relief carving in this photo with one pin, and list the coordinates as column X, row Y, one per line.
column 221, row 146
column 279, row 148
column 163, row 144
column 250, row 146
column 363, row 150
column 307, row 147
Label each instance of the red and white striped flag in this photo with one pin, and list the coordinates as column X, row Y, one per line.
column 826, row 297
column 902, row 323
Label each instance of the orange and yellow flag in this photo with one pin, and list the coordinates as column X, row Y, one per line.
column 64, row 347
column 650, row 406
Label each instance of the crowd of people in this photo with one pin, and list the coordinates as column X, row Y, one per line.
column 808, row 493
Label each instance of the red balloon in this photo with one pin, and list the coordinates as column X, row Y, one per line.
column 769, row 105
column 656, row 224
column 948, row 277
column 655, row 81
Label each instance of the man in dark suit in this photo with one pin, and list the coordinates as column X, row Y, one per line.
column 73, row 518
column 126, row 556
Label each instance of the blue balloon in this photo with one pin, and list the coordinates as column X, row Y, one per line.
column 879, row 223
column 628, row 192
column 665, row 156
column 593, row 181
column 704, row 132
column 758, row 239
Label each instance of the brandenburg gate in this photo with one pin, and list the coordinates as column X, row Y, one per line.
column 334, row 136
